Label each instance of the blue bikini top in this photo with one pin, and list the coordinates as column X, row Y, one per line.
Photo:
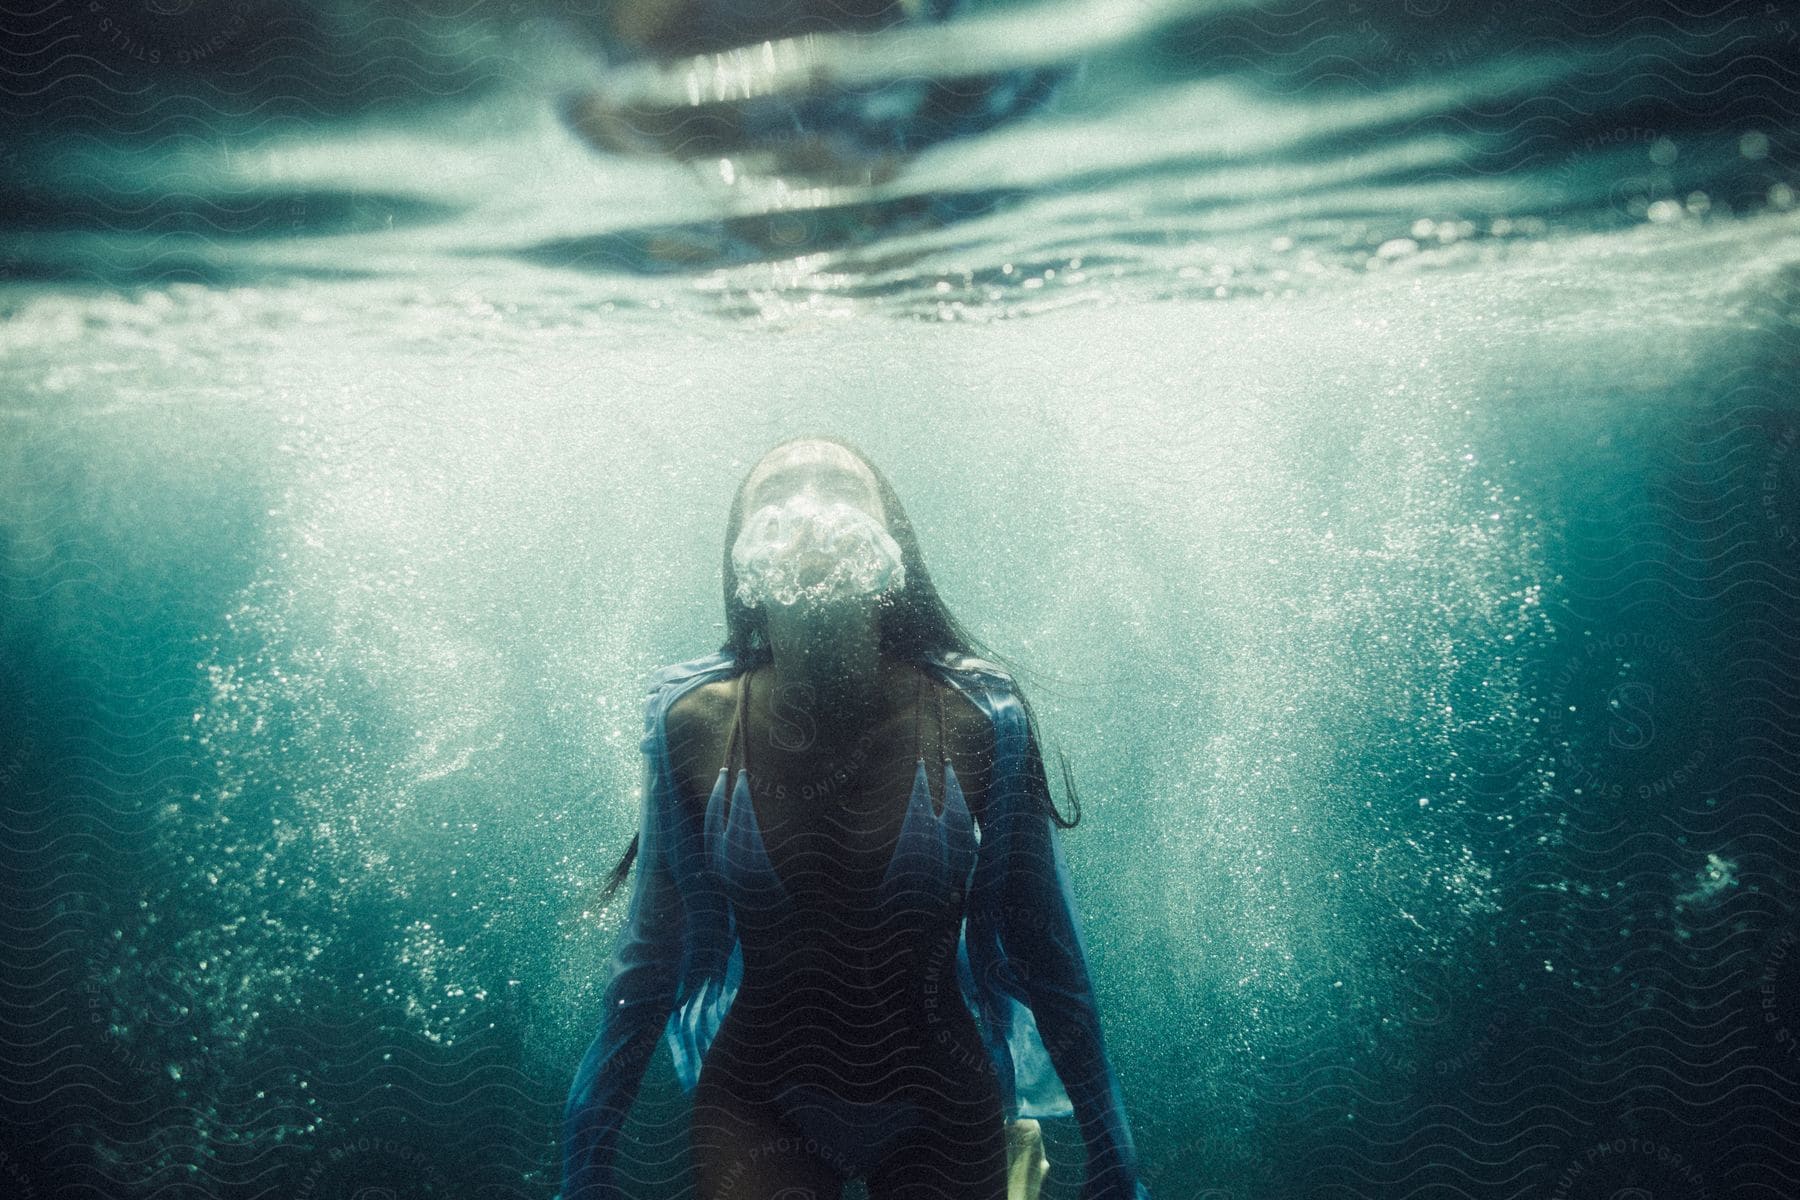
column 933, row 856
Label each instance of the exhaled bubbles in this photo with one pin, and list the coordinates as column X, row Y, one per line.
column 804, row 551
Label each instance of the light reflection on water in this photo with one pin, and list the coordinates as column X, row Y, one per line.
column 1146, row 175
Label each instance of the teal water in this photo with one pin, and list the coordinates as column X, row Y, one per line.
column 1387, row 494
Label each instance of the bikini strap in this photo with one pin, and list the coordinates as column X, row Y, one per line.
column 740, row 708
column 919, row 717
column 919, row 731
column 943, row 753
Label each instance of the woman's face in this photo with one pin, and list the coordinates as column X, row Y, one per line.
column 814, row 538
column 826, row 470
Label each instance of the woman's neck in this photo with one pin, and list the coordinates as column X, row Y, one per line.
column 828, row 669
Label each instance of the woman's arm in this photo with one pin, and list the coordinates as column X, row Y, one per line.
column 636, row 1003
column 1040, row 934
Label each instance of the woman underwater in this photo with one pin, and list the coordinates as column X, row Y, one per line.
column 846, row 856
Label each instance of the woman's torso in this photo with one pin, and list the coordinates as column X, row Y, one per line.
column 849, row 949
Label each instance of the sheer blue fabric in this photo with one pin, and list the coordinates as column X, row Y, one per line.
column 1021, row 959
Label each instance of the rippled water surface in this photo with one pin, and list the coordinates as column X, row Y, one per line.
column 1370, row 429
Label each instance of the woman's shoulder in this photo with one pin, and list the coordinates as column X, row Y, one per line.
column 992, row 706
column 707, row 705
column 973, row 667
column 669, row 688
column 988, row 684
column 689, row 671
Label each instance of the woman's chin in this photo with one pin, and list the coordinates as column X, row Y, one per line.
column 836, row 608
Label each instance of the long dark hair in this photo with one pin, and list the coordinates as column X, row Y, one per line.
column 914, row 622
